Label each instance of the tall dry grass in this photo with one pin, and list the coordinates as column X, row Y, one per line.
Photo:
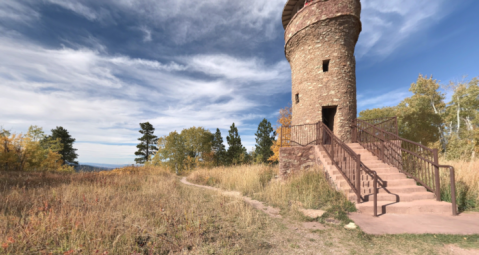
column 135, row 211
column 310, row 189
column 467, row 184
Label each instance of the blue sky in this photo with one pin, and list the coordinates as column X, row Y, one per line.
column 99, row 68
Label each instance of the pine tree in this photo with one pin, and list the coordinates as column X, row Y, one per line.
column 147, row 146
column 236, row 150
column 218, row 148
column 67, row 151
column 264, row 140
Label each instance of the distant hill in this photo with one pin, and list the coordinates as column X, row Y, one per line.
column 108, row 166
column 95, row 167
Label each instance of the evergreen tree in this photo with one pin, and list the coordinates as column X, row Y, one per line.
column 218, row 148
column 236, row 151
column 147, row 146
column 264, row 140
column 67, row 151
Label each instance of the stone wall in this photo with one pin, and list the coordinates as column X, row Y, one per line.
column 295, row 159
column 324, row 30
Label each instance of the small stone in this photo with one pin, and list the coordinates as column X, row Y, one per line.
column 351, row 226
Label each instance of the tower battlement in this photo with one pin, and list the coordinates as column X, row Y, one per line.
column 320, row 39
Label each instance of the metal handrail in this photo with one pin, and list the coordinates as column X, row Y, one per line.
column 374, row 175
column 342, row 156
column 333, row 151
column 393, row 154
column 382, row 121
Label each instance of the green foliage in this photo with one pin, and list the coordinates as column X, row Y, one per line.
column 67, row 151
column 236, row 153
column 264, row 140
column 265, row 176
column 198, row 141
column 186, row 150
column 378, row 113
column 465, row 197
column 420, row 115
column 218, row 149
column 147, row 146
column 462, row 120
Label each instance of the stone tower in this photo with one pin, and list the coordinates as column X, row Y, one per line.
column 319, row 44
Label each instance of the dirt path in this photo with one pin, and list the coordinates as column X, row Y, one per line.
column 269, row 210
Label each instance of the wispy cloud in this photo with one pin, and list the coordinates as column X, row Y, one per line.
column 391, row 98
column 189, row 21
column 17, row 11
column 101, row 98
column 147, row 34
column 388, row 24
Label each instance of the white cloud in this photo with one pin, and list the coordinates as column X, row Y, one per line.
column 189, row 21
column 388, row 24
column 270, row 78
column 391, row 98
column 16, row 11
column 100, row 99
column 78, row 7
column 147, row 34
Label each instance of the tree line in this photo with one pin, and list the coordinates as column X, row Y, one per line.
column 426, row 117
column 36, row 151
column 198, row 147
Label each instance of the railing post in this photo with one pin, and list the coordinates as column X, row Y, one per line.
column 354, row 132
column 332, row 150
column 317, row 133
column 375, row 190
column 436, row 174
column 358, row 178
column 381, row 150
column 453, row 191
column 397, row 128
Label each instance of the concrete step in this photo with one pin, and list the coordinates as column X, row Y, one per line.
column 385, row 176
column 400, row 194
column 417, row 206
column 394, row 189
column 369, row 183
column 395, row 197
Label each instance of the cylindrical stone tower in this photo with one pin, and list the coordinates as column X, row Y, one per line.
column 320, row 40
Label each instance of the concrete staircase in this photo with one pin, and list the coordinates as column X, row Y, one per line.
column 400, row 196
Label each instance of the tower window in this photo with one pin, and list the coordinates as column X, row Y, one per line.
column 296, row 98
column 325, row 65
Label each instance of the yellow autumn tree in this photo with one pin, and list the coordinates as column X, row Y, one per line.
column 283, row 135
column 31, row 152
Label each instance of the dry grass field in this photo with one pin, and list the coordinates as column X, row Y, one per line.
column 467, row 184
column 140, row 212
column 148, row 211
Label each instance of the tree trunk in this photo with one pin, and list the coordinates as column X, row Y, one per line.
column 441, row 133
column 458, row 118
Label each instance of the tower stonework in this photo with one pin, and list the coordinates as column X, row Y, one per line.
column 319, row 44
